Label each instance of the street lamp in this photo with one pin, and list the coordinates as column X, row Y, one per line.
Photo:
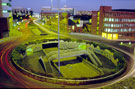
column 58, row 39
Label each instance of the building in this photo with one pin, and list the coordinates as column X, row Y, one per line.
column 4, row 27
column 20, row 13
column 1, row 14
column 114, row 24
column 49, row 16
column 79, row 23
column 5, row 9
column 83, row 12
column 48, row 11
column 70, row 11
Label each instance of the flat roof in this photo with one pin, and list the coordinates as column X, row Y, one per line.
column 124, row 10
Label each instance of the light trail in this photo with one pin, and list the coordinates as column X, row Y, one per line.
column 22, row 80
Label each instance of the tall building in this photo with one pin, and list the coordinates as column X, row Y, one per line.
column 5, row 9
column 0, row 8
column 114, row 24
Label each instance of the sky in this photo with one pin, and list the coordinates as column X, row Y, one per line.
column 89, row 5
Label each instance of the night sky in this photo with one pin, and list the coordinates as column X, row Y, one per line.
column 90, row 5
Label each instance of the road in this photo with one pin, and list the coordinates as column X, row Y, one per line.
column 12, row 78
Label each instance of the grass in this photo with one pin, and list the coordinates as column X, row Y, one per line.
column 106, row 62
column 36, row 31
column 47, row 50
column 78, row 70
column 65, row 59
column 128, row 83
column 31, row 62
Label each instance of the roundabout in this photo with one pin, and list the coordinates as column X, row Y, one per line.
column 85, row 63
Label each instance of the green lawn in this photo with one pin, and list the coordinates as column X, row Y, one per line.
column 47, row 50
column 65, row 59
column 78, row 70
column 31, row 62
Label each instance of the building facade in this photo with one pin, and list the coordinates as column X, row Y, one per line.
column 5, row 11
column 5, row 8
column 83, row 12
column 114, row 24
column 21, row 13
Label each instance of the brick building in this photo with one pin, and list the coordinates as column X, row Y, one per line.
column 114, row 24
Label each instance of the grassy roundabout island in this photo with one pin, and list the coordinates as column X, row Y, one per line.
column 78, row 60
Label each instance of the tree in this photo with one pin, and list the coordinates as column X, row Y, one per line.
column 21, row 49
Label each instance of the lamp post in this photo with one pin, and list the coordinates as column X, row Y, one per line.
column 51, row 4
column 58, row 38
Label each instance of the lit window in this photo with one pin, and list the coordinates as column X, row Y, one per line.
column 125, row 30
column 73, row 27
column 106, row 19
column 115, row 36
column 109, row 30
column 118, row 25
column 114, row 25
column 105, row 29
column 109, row 36
column 116, row 30
column 4, row 4
column 110, row 19
column 5, row 11
column 121, row 30
column 111, row 25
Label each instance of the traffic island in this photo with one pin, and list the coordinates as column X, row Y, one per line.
column 81, row 63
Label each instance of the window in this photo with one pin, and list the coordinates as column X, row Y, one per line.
column 130, row 29
column 116, row 20
column 110, row 19
column 105, row 29
column 121, row 30
column 111, row 25
column 129, row 20
column 125, row 30
column 109, row 30
column 114, row 25
column 118, row 25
